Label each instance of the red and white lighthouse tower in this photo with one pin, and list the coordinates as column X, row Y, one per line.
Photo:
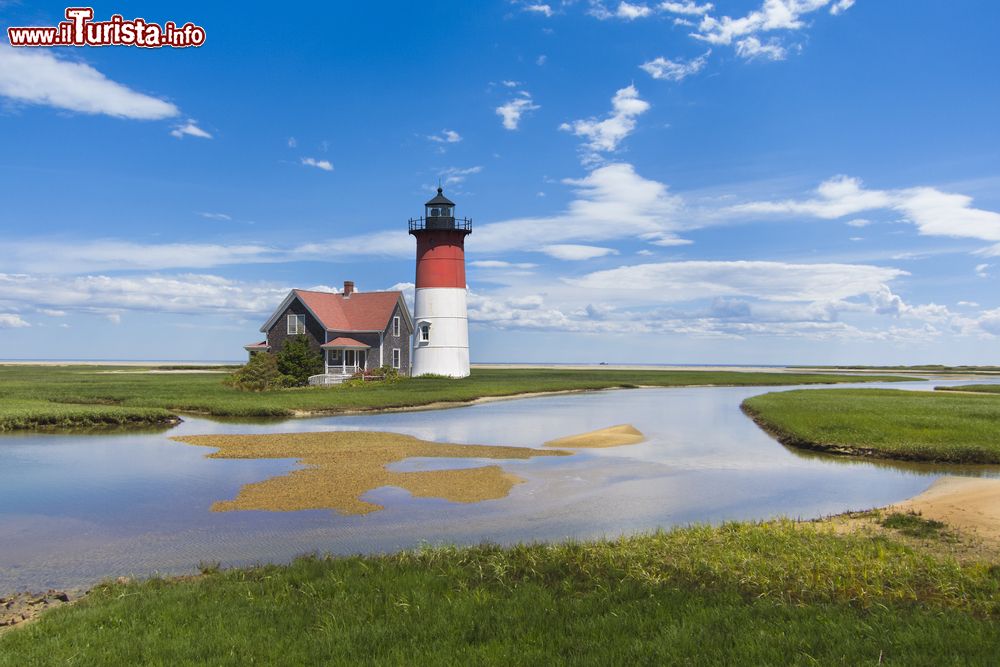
column 441, row 344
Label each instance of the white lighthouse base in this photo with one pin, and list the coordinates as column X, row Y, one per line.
column 446, row 351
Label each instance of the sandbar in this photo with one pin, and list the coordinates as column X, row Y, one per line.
column 341, row 466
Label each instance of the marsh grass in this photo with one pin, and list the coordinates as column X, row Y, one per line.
column 887, row 423
column 44, row 396
column 914, row 525
column 975, row 388
column 773, row 593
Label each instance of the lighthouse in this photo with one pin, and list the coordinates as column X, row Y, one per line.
column 441, row 335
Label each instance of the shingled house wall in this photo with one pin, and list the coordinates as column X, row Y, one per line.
column 278, row 334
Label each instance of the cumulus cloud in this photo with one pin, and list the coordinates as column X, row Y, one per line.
column 611, row 202
column 606, row 135
column 932, row 211
column 675, row 70
column 751, row 47
column 543, row 9
column 841, row 6
column 574, row 253
column 514, row 109
column 12, row 321
column 688, row 7
column 38, row 76
column 630, row 12
column 325, row 165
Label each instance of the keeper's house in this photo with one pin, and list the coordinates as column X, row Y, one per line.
column 352, row 330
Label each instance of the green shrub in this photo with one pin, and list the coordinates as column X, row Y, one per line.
column 260, row 373
column 299, row 361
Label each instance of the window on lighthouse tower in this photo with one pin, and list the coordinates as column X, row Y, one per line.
column 425, row 333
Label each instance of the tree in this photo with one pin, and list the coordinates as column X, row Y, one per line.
column 299, row 361
column 260, row 373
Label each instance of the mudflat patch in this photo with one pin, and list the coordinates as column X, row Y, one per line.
column 613, row 436
column 343, row 466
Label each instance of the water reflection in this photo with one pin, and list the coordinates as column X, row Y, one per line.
column 75, row 508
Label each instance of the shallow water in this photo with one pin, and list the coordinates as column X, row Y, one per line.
column 78, row 508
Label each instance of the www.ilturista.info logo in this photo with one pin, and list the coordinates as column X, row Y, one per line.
column 81, row 30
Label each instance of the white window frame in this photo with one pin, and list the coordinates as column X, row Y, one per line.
column 294, row 329
column 395, row 326
column 425, row 332
column 397, row 358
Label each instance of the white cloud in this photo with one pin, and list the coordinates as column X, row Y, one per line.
column 12, row 321
column 859, row 222
column 772, row 15
column 70, row 256
column 510, row 84
column 751, row 47
column 575, row 253
column 841, row 6
column 933, row 212
column 52, row 313
column 109, row 295
column 675, row 70
column 544, row 10
column 611, row 202
column 223, row 217
column 605, row 135
column 456, row 175
column 774, row 281
column 687, row 7
column 512, row 111
column 540, row 60
column 190, row 129
column 319, row 164
column 292, row 143
column 39, row 77
column 446, row 137
column 630, row 12
column 982, row 270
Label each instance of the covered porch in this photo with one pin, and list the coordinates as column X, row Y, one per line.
column 342, row 357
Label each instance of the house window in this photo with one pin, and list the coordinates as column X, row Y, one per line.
column 395, row 327
column 425, row 333
column 296, row 324
column 395, row 357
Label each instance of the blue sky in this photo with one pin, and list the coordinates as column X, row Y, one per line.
column 756, row 181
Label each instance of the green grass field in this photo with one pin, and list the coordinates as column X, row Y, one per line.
column 66, row 396
column 775, row 593
column 887, row 423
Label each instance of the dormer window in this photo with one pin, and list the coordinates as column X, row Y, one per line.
column 425, row 333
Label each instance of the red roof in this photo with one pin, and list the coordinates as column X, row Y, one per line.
column 362, row 311
column 344, row 341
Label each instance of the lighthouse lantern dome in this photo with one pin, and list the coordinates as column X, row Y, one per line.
column 440, row 208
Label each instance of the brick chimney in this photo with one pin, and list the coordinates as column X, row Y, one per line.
column 348, row 288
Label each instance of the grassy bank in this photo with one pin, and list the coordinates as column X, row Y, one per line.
column 975, row 388
column 34, row 396
column 886, row 423
column 777, row 593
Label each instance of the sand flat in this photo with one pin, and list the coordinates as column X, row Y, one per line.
column 341, row 466
column 967, row 503
column 613, row 436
